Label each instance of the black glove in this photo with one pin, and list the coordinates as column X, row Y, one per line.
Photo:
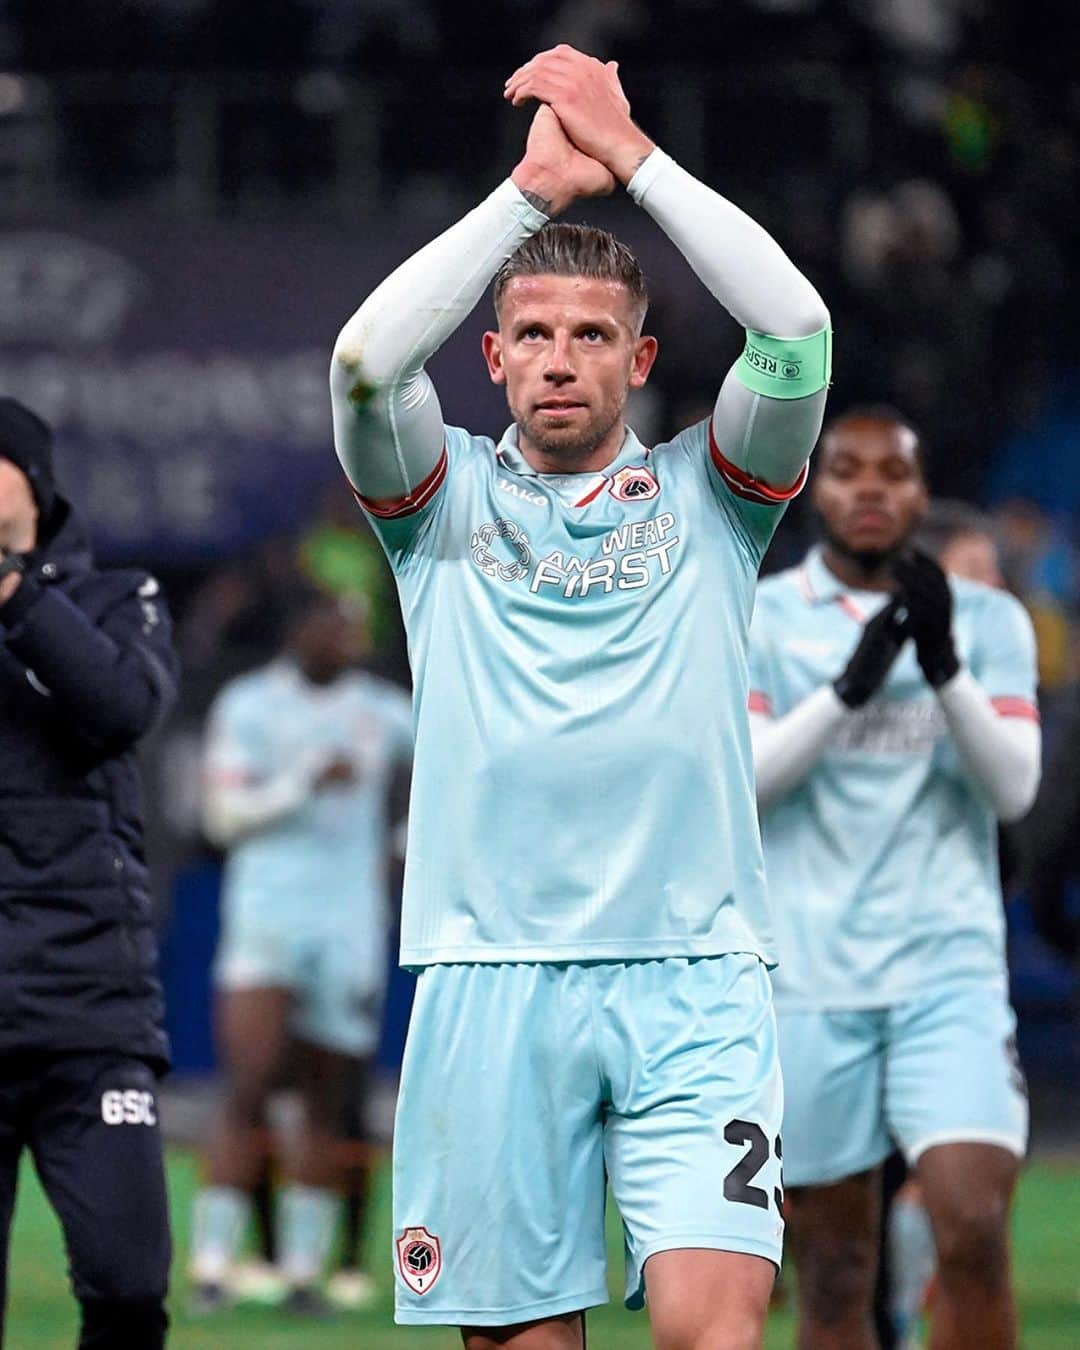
column 923, row 588
column 872, row 659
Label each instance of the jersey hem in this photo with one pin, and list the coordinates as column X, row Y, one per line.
column 491, row 955
column 783, row 1003
column 501, row 1317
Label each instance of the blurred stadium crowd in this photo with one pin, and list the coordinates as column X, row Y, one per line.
column 920, row 161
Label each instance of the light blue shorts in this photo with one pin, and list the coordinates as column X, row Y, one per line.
column 940, row 1068
column 526, row 1087
column 338, row 983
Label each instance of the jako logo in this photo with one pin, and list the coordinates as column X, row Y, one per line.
column 523, row 494
column 128, row 1107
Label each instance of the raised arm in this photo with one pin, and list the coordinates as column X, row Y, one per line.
column 770, row 406
column 388, row 428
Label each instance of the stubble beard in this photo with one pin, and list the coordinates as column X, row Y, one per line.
column 871, row 561
column 567, row 446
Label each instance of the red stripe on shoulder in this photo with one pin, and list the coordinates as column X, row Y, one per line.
column 393, row 508
column 752, row 489
column 1015, row 707
column 759, row 703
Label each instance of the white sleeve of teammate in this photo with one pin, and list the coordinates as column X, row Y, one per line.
column 787, row 748
column 388, row 426
column 757, row 283
column 1002, row 754
column 232, row 810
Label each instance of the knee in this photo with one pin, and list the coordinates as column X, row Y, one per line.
column 836, row 1283
column 245, row 1100
column 972, row 1241
column 134, row 1323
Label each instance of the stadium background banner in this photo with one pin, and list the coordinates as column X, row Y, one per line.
column 184, row 364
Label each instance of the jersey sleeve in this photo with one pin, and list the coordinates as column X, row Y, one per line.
column 236, row 753
column 1004, row 659
column 401, row 523
column 756, row 507
column 408, row 526
column 751, row 510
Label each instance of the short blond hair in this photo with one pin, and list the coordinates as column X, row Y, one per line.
column 562, row 250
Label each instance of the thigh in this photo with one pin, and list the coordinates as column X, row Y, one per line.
column 252, row 1033
column 952, row 1073
column 833, row 1067
column 96, row 1143
column 833, row 1235
column 968, row 1190
column 692, row 1132
column 732, row 1312
column 498, row 1160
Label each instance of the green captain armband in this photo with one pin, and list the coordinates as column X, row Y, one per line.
column 785, row 367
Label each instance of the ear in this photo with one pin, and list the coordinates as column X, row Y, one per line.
column 491, row 343
column 645, row 350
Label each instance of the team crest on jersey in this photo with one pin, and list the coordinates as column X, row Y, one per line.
column 419, row 1258
column 634, row 484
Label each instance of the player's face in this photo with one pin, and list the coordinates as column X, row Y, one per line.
column 974, row 556
column 568, row 352
column 869, row 488
column 18, row 509
column 330, row 640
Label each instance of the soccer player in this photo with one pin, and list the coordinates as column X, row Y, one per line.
column 584, row 894
column 894, row 724
column 962, row 540
column 87, row 669
column 298, row 763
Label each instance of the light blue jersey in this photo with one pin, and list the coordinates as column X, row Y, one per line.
column 584, row 782
column 320, row 868
column 882, row 864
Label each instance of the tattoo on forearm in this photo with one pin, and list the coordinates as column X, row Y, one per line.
column 641, row 161
column 540, row 203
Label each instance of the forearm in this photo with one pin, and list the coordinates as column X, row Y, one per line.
column 1002, row 754
column 788, row 747
column 740, row 263
column 387, row 420
column 231, row 810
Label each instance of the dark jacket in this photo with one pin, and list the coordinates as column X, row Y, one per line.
column 86, row 669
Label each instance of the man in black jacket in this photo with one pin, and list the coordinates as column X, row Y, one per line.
column 86, row 669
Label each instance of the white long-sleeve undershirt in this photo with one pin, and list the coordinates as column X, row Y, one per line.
column 231, row 810
column 1002, row 754
column 387, row 419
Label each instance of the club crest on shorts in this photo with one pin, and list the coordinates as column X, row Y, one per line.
column 419, row 1258
column 634, row 484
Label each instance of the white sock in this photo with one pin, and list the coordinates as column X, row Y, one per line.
column 307, row 1216
column 220, row 1217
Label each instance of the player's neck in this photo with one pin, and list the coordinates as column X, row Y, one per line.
column 859, row 572
column 586, row 460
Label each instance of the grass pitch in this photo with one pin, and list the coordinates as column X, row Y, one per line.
column 42, row 1314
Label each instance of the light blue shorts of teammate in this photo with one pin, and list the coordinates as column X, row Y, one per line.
column 527, row 1087
column 338, row 985
column 938, row 1068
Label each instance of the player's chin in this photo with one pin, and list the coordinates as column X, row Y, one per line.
column 870, row 541
column 561, row 438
